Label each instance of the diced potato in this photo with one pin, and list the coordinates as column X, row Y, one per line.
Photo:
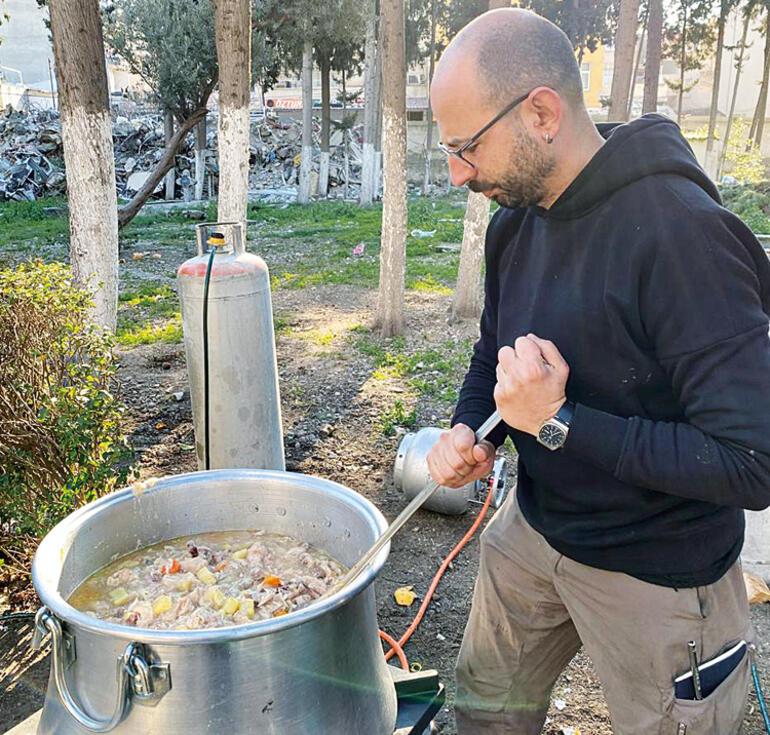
column 185, row 583
column 119, row 596
column 231, row 606
column 206, row 576
column 161, row 605
column 240, row 554
column 247, row 608
column 215, row 597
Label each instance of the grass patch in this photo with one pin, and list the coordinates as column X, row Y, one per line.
column 168, row 332
column 30, row 221
column 397, row 416
column 435, row 372
column 149, row 314
column 429, row 284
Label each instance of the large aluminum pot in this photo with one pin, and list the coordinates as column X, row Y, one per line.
column 319, row 670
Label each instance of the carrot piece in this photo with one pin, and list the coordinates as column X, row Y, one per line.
column 272, row 581
column 175, row 567
column 279, row 613
column 163, row 569
column 219, row 567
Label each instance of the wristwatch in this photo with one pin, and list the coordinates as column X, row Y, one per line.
column 553, row 433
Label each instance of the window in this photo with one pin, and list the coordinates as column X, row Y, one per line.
column 412, row 79
column 585, row 75
column 414, row 115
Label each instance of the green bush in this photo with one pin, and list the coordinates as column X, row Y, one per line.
column 61, row 438
column 750, row 203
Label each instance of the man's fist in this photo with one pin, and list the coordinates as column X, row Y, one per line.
column 455, row 459
column 531, row 383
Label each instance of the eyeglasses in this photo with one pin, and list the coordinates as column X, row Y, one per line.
column 456, row 152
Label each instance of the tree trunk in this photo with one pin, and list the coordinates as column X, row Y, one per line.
column 731, row 112
column 127, row 212
column 378, row 95
column 168, row 134
column 232, row 20
column 429, row 116
column 467, row 295
column 625, row 43
column 467, row 300
column 682, row 63
column 390, row 307
column 346, row 148
column 636, row 70
column 370, row 72
column 761, row 110
column 652, row 60
column 200, row 157
column 714, row 109
column 323, row 167
column 306, row 164
column 76, row 30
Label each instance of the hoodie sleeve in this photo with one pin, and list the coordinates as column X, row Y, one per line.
column 476, row 402
column 704, row 300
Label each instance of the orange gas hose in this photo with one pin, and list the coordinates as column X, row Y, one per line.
column 397, row 649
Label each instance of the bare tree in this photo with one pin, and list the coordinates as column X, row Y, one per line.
column 724, row 9
column 232, row 22
column 306, row 163
column 168, row 134
column 78, row 46
column 390, row 306
column 760, row 111
column 467, row 302
column 652, row 60
column 738, row 69
column 431, row 65
column 370, row 109
column 200, row 158
column 625, row 42
column 635, row 72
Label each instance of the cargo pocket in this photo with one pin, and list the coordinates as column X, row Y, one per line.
column 721, row 713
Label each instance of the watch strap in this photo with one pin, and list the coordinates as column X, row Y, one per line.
column 565, row 413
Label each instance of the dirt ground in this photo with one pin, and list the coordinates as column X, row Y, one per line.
column 332, row 411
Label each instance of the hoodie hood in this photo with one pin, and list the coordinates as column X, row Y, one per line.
column 652, row 144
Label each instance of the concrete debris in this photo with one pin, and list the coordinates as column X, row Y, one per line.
column 32, row 163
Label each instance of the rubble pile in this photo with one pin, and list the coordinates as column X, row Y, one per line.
column 32, row 165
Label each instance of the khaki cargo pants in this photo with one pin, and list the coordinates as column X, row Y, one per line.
column 532, row 609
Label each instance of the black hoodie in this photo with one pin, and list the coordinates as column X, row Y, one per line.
column 658, row 298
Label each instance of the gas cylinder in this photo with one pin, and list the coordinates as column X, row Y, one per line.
column 231, row 360
column 411, row 474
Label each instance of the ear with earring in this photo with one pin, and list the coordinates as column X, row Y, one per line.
column 548, row 139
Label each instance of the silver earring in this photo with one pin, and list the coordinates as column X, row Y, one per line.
column 548, row 138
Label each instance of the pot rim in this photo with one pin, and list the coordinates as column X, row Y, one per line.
column 56, row 538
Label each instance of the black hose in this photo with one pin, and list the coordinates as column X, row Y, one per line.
column 17, row 616
column 206, row 455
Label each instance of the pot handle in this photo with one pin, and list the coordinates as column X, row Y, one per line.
column 148, row 683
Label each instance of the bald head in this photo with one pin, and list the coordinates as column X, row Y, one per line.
column 510, row 51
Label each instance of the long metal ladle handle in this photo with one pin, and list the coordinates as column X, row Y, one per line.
column 482, row 433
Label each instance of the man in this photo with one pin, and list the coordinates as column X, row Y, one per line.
column 624, row 341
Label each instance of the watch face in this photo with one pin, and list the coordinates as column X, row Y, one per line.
column 552, row 436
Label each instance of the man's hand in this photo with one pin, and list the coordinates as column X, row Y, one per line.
column 531, row 382
column 455, row 459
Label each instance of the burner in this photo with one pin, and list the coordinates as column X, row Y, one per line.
column 420, row 697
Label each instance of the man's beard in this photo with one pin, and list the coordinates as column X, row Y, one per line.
column 524, row 181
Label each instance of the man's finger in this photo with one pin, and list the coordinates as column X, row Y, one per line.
column 549, row 350
column 528, row 350
column 462, row 439
column 483, row 451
